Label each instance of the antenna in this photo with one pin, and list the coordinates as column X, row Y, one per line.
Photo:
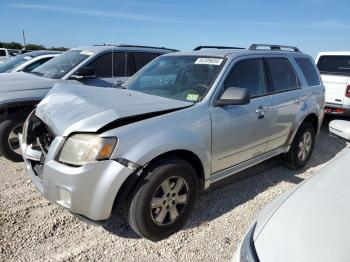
column 24, row 40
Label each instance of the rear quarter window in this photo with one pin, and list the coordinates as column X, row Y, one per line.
column 309, row 71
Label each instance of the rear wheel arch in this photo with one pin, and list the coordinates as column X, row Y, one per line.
column 310, row 118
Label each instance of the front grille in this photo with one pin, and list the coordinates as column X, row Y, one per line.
column 39, row 137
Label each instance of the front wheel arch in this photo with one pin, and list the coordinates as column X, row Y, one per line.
column 130, row 184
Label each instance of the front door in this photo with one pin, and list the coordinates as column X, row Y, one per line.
column 240, row 132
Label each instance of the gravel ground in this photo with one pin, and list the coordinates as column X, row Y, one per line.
column 32, row 229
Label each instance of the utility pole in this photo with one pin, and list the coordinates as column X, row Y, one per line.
column 24, row 40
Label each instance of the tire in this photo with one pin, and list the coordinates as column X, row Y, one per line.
column 293, row 158
column 11, row 150
column 150, row 222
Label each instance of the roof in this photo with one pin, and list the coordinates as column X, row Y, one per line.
column 100, row 48
column 41, row 52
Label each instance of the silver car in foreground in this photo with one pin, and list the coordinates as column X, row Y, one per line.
column 183, row 122
column 309, row 224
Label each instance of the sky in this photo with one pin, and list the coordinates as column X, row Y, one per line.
column 312, row 25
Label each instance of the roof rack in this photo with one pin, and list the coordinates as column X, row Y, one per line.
column 153, row 47
column 139, row 46
column 255, row 47
column 215, row 47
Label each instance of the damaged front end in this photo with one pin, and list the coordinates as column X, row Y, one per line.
column 96, row 182
column 35, row 143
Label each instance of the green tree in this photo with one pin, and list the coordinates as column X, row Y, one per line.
column 12, row 45
column 58, row 48
column 35, row 47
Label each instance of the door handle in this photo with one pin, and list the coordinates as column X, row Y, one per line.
column 261, row 111
column 300, row 100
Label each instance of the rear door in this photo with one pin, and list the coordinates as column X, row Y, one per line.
column 109, row 72
column 240, row 132
column 335, row 72
column 137, row 60
column 287, row 99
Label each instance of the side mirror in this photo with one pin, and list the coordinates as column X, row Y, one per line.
column 340, row 128
column 84, row 73
column 234, row 96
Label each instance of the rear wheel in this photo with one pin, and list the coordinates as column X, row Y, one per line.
column 163, row 200
column 301, row 148
column 9, row 143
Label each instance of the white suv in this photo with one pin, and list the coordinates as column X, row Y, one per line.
column 335, row 72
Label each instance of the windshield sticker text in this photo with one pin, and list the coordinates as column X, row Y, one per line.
column 89, row 53
column 209, row 61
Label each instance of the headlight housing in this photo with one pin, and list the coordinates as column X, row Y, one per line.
column 80, row 149
column 248, row 252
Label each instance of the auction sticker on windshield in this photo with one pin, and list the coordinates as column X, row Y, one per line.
column 192, row 97
column 89, row 53
column 209, row 61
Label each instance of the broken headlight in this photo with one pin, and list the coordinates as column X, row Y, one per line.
column 80, row 149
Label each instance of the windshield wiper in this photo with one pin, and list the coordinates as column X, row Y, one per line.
column 36, row 73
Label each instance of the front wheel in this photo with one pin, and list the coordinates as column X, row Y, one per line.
column 9, row 143
column 301, row 148
column 164, row 199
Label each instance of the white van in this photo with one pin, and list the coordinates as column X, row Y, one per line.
column 335, row 72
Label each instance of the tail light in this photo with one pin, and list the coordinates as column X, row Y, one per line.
column 347, row 94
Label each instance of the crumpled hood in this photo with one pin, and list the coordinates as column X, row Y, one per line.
column 312, row 224
column 11, row 82
column 77, row 108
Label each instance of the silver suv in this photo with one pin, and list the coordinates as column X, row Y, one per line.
column 89, row 65
column 183, row 122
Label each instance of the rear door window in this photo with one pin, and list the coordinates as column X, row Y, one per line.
column 136, row 60
column 248, row 74
column 309, row 71
column 2, row 53
column 106, row 68
column 283, row 76
column 335, row 65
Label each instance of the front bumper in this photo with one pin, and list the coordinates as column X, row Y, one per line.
column 89, row 190
column 334, row 109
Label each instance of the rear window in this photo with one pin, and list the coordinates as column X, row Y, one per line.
column 309, row 71
column 336, row 65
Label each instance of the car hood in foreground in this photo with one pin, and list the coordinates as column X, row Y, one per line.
column 78, row 108
column 20, row 81
column 312, row 224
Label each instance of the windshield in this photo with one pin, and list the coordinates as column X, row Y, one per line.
column 336, row 65
column 186, row 78
column 13, row 62
column 59, row 66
